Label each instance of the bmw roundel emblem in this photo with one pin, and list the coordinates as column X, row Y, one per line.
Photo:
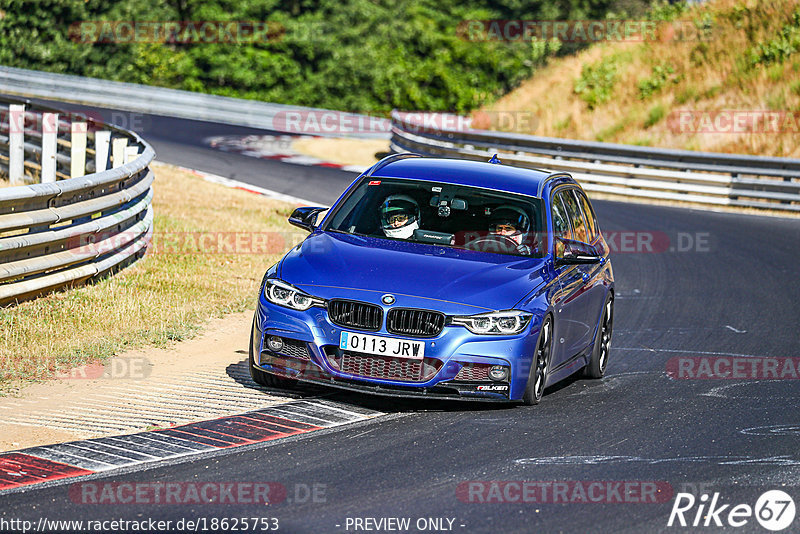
column 387, row 299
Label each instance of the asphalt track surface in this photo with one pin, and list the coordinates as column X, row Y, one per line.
column 735, row 295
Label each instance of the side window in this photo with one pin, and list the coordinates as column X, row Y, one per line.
column 588, row 213
column 560, row 223
column 575, row 216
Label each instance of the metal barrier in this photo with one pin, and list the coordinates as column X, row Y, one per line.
column 189, row 105
column 631, row 171
column 70, row 226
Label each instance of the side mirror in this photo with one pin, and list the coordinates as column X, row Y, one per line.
column 305, row 218
column 575, row 252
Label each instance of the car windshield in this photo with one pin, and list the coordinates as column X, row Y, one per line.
column 441, row 214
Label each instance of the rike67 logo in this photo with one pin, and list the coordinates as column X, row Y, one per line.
column 774, row 510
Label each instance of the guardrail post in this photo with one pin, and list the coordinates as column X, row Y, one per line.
column 104, row 203
column 77, row 166
column 130, row 153
column 734, row 177
column 118, row 146
column 16, row 143
column 102, row 139
column 49, row 138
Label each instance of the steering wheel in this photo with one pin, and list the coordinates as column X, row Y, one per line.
column 492, row 243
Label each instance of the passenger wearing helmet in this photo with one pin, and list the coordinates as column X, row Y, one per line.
column 511, row 222
column 399, row 216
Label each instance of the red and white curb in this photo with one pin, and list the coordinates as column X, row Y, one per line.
column 274, row 147
column 37, row 465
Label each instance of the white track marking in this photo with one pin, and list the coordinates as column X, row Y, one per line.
column 60, row 451
column 773, row 430
column 295, row 414
column 334, row 407
column 719, row 391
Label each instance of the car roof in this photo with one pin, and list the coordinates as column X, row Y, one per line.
column 464, row 172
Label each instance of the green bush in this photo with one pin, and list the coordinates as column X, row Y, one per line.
column 667, row 11
column 776, row 50
column 596, row 83
column 655, row 114
column 653, row 84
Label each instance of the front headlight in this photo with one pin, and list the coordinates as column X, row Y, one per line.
column 502, row 323
column 283, row 294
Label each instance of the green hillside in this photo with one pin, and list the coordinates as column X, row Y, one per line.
column 732, row 84
column 357, row 55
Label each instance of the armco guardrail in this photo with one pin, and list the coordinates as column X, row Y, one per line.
column 70, row 226
column 631, row 171
column 186, row 104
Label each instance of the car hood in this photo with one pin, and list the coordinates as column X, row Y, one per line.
column 343, row 265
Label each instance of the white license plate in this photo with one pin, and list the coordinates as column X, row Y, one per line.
column 382, row 346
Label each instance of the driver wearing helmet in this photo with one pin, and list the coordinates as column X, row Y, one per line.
column 511, row 222
column 399, row 216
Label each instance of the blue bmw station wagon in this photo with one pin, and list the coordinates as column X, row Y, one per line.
column 440, row 278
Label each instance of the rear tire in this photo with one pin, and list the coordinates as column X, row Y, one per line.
column 596, row 368
column 540, row 365
column 262, row 378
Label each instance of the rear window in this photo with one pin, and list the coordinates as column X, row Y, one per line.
column 579, row 230
column 588, row 213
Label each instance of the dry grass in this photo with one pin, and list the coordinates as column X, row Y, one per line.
column 163, row 298
column 708, row 75
column 344, row 151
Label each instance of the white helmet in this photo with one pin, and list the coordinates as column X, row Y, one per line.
column 399, row 216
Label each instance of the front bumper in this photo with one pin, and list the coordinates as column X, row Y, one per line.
column 450, row 368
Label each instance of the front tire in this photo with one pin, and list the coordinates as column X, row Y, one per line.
column 540, row 365
column 596, row 367
column 262, row 378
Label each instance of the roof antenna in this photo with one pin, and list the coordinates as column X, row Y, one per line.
column 495, row 160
